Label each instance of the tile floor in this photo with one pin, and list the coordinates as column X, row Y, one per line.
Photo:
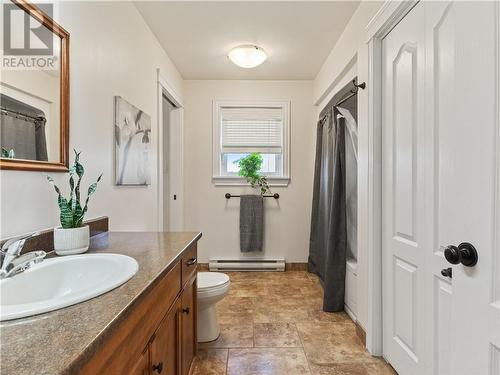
column 272, row 324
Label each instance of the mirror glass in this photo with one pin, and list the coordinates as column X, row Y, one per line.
column 30, row 95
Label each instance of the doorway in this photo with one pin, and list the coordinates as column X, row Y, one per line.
column 170, row 158
column 168, row 108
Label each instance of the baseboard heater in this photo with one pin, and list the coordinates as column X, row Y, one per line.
column 246, row 265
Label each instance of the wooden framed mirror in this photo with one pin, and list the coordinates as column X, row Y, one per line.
column 34, row 90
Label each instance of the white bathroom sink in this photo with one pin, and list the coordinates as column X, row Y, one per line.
column 63, row 281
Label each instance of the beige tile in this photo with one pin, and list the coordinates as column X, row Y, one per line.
column 316, row 294
column 230, row 318
column 332, row 343
column 270, row 277
column 210, row 362
column 294, row 310
column 276, row 335
column 237, row 305
column 286, row 277
column 375, row 368
column 318, row 315
column 339, row 369
column 268, row 361
column 234, row 310
column 243, row 276
column 284, row 310
column 248, row 289
column 265, row 320
column 239, row 335
column 286, row 290
column 314, row 279
column 380, row 367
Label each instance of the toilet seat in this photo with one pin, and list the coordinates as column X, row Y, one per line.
column 211, row 281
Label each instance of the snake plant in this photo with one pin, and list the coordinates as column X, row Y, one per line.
column 72, row 213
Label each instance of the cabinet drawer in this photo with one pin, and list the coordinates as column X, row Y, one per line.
column 189, row 263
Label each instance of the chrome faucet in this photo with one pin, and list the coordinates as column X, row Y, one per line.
column 12, row 262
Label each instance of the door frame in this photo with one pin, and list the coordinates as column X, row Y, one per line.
column 377, row 29
column 165, row 89
column 388, row 16
column 494, row 307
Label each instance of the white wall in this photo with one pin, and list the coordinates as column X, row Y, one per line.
column 112, row 52
column 287, row 221
column 345, row 51
column 349, row 58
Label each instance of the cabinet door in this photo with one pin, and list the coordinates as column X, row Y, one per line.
column 188, row 319
column 164, row 347
column 141, row 366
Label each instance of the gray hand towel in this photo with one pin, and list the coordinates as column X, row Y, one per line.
column 251, row 222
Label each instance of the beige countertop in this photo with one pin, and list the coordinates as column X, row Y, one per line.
column 59, row 342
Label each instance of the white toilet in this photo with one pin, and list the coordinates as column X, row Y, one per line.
column 212, row 287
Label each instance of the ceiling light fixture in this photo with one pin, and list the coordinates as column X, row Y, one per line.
column 247, row 56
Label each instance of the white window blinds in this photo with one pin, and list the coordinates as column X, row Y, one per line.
column 247, row 129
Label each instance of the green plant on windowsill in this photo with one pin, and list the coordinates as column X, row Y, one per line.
column 249, row 169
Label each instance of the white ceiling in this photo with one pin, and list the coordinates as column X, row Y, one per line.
column 298, row 36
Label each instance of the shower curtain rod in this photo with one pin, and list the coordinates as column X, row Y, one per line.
column 11, row 112
column 352, row 93
column 346, row 98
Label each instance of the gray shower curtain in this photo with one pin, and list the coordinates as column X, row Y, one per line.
column 351, row 178
column 328, row 242
column 24, row 135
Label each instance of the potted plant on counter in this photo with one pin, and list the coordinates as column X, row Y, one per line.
column 72, row 237
column 249, row 169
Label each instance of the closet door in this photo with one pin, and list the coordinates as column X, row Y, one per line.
column 441, row 176
column 463, row 193
column 441, row 179
column 403, row 200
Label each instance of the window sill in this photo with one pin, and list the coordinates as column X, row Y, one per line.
column 238, row 181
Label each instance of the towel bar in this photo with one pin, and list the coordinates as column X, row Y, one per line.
column 275, row 196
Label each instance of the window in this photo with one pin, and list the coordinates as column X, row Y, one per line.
column 244, row 128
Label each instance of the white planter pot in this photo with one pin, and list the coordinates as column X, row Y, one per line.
column 71, row 241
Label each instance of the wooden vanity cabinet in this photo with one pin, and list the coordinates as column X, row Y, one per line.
column 159, row 334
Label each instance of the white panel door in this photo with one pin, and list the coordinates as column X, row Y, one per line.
column 449, row 160
column 467, row 161
column 403, row 194
column 441, row 176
